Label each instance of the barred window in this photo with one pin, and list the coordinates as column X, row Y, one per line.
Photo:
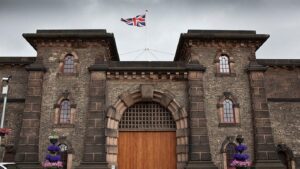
column 65, row 112
column 228, row 115
column 224, row 64
column 230, row 151
column 69, row 64
column 147, row 116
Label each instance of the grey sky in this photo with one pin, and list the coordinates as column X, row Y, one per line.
column 165, row 21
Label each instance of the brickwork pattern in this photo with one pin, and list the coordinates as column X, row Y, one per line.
column 285, row 118
column 28, row 145
column 214, row 87
column 79, row 88
column 199, row 144
column 94, row 143
column 264, row 141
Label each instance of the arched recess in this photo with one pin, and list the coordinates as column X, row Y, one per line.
column 67, row 152
column 224, row 151
column 286, row 156
column 146, row 93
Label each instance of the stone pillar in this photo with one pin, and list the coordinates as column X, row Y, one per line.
column 199, row 150
column 27, row 154
column 94, row 155
column 264, row 149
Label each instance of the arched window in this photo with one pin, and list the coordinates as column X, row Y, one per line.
column 69, row 64
column 228, row 112
column 65, row 112
column 224, row 64
column 230, row 151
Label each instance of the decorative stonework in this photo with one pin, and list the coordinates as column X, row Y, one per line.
column 119, row 75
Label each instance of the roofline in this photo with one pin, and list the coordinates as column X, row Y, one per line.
column 146, row 66
column 9, row 60
column 279, row 62
column 73, row 34
column 220, row 35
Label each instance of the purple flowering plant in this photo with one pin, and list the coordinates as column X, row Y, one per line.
column 53, row 148
column 240, row 148
column 53, row 159
column 240, row 158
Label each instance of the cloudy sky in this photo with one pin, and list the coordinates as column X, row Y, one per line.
column 166, row 19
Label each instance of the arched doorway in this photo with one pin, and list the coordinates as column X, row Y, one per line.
column 147, row 138
column 163, row 98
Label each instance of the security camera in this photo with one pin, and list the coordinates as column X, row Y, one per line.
column 6, row 79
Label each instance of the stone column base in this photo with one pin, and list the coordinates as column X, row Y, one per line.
column 93, row 165
column 201, row 165
column 269, row 164
column 29, row 165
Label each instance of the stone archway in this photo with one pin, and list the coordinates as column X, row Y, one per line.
column 147, row 93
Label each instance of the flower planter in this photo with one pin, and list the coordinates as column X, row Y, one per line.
column 53, row 140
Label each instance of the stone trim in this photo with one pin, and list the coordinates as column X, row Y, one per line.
column 264, row 148
column 14, row 100
column 94, row 143
column 284, row 99
column 28, row 150
column 127, row 99
column 199, row 150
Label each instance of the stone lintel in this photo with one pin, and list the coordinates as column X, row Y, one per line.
column 93, row 165
column 200, row 165
column 269, row 164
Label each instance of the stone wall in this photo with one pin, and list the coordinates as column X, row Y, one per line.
column 16, row 99
column 215, row 86
column 285, row 120
column 77, row 85
column 282, row 82
column 18, row 83
column 283, row 91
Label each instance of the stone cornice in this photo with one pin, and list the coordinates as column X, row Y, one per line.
column 36, row 67
column 54, row 36
column 16, row 100
column 219, row 38
column 254, row 66
column 16, row 60
column 156, row 66
column 147, row 70
column 279, row 62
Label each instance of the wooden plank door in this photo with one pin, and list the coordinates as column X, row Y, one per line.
column 147, row 150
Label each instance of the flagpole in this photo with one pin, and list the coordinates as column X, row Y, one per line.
column 146, row 32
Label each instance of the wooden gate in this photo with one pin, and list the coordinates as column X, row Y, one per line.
column 147, row 150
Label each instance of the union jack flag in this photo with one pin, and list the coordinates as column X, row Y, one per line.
column 139, row 21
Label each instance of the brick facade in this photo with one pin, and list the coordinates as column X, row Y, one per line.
column 266, row 97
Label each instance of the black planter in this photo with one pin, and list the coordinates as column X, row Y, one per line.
column 53, row 140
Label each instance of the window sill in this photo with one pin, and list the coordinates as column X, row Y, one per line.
column 64, row 126
column 225, row 74
column 229, row 124
column 67, row 74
